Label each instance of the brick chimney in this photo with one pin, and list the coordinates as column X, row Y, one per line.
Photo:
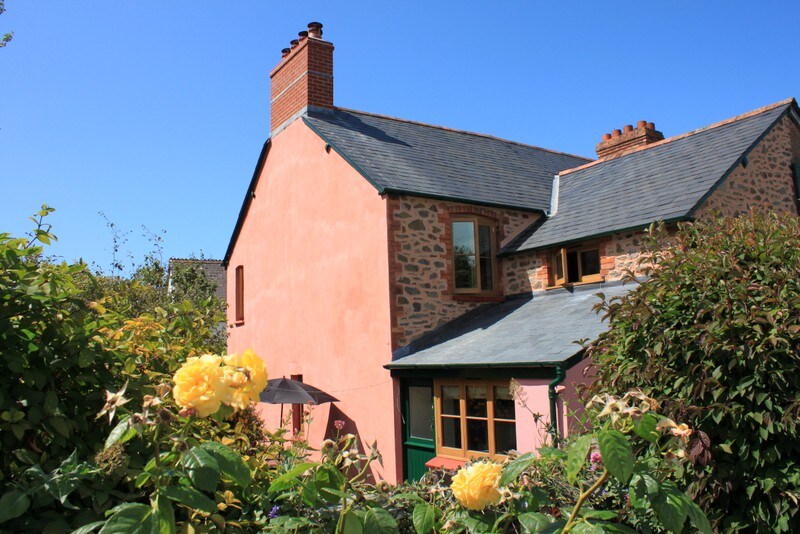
column 621, row 141
column 303, row 80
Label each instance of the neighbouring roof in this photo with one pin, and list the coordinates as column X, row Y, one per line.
column 665, row 181
column 399, row 156
column 537, row 330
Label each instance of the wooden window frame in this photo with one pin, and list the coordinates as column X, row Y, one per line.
column 561, row 255
column 478, row 221
column 464, row 453
column 239, row 298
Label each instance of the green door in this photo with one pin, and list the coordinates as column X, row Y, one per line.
column 418, row 437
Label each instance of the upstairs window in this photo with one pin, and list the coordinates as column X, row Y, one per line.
column 474, row 251
column 796, row 171
column 239, row 297
column 576, row 266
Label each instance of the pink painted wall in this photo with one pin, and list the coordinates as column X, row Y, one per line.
column 314, row 251
column 532, row 435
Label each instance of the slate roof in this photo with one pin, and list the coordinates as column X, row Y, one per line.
column 399, row 156
column 536, row 330
column 664, row 181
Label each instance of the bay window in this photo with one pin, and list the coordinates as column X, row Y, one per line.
column 474, row 418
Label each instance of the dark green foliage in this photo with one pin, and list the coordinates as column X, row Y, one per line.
column 715, row 335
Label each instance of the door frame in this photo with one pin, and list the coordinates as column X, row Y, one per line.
column 406, row 439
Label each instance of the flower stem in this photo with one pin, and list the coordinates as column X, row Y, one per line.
column 585, row 495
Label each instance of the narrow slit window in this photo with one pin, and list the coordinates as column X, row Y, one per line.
column 239, row 299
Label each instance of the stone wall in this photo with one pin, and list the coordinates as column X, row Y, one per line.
column 421, row 265
column 767, row 180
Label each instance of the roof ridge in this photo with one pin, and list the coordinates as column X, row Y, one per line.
column 456, row 130
column 711, row 126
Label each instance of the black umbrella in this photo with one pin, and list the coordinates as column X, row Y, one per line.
column 287, row 391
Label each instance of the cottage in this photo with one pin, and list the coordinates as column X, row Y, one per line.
column 412, row 270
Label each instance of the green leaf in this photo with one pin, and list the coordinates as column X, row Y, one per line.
column 289, row 478
column 671, row 506
column 328, row 477
column 576, row 456
column 645, row 427
column 533, row 522
column 699, row 519
column 617, row 454
column 230, row 462
column 163, row 515
column 598, row 514
column 515, row 468
column 379, row 521
column 13, row 504
column 122, row 432
column 423, row 518
column 191, row 498
column 133, row 519
column 90, row 527
column 643, row 488
column 352, row 524
column 202, row 468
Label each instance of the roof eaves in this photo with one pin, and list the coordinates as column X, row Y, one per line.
column 589, row 237
column 465, row 200
column 739, row 160
column 248, row 199
column 567, row 363
column 344, row 156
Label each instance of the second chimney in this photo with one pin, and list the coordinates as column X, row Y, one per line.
column 303, row 80
column 629, row 138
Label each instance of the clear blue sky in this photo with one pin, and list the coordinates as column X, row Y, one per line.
column 154, row 112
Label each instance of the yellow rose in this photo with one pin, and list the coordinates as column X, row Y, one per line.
column 245, row 377
column 197, row 384
column 475, row 486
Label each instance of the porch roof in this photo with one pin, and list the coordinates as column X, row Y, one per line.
column 538, row 330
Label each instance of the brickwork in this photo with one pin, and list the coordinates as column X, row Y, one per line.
column 767, row 180
column 303, row 78
column 420, row 261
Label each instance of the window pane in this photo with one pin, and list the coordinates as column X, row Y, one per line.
column 572, row 266
column 477, row 435
column 420, row 416
column 476, row 401
column 464, row 237
column 503, row 403
column 486, row 274
column 466, row 271
column 505, row 437
column 590, row 262
column 451, row 432
column 450, row 400
column 485, row 240
column 559, row 266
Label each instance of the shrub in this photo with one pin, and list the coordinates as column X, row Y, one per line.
column 715, row 334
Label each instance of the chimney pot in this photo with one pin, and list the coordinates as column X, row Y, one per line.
column 315, row 30
column 606, row 136
column 651, row 126
column 285, row 52
column 616, row 133
column 302, row 35
column 294, row 43
column 641, row 124
column 627, row 128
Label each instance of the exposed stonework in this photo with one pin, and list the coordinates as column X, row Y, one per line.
column 766, row 181
column 526, row 272
column 420, row 261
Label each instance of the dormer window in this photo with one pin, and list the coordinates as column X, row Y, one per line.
column 576, row 266
column 474, row 252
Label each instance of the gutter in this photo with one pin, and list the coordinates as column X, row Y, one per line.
column 561, row 375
